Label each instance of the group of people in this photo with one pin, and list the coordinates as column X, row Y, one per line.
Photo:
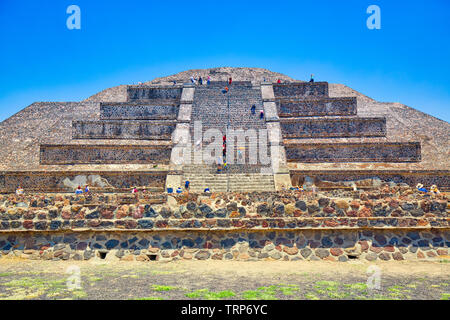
column 199, row 80
column 253, row 112
column 79, row 190
column 186, row 187
column 433, row 189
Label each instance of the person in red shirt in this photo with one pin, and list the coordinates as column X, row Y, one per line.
column 229, row 80
column 279, row 81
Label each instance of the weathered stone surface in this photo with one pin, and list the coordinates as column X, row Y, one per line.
column 322, row 253
column 305, row 252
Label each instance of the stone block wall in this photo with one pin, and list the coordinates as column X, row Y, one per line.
column 151, row 93
column 354, row 152
column 151, row 130
column 330, row 128
column 316, row 107
column 63, row 181
column 104, row 154
column 339, row 246
column 371, row 178
column 301, row 89
column 393, row 225
column 136, row 111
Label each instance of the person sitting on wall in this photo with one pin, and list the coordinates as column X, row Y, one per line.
column 208, row 80
column 186, row 185
column 19, row 191
column 253, row 109
column 312, row 78
column 420, row 188
column 230, row 81
column 135, row 190
column 278, row 81
column 200, row 81
column 225, row 90
column 261, row 114
column 434, row 190
column 207, row 190
column 86, row 189
column 79, row 190
column 179, row 190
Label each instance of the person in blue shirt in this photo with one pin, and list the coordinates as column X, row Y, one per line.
column 79, row 190
column 186, row 185
column 179, row 190
column 421, row 188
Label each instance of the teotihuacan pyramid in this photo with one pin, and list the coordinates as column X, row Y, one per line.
column 125, row 136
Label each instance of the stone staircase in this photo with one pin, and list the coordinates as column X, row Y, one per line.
column 218, row 110
column 203, row 176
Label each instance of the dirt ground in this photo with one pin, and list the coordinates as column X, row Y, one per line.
column 262, row 280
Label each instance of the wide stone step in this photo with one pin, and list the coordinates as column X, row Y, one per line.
column 149, row 93
column 138, row 111
column 301, row 89
column 321, row 106
column 104, row 154
column 334, row 127
column 354, row 152
column 151, row 130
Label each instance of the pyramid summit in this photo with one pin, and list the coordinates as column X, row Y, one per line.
column 146, row 135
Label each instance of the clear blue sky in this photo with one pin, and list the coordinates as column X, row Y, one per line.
column 122, row 42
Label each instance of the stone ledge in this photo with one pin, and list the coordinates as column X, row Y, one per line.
column 301, row 89
column 354, row 152
column 139, row 111
column 217, row 224
column 335, row 127
column 148, row 93
column 63, row 181
column 316, row 106
column 137, row 129
column 51, row 154
column 284, row 245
